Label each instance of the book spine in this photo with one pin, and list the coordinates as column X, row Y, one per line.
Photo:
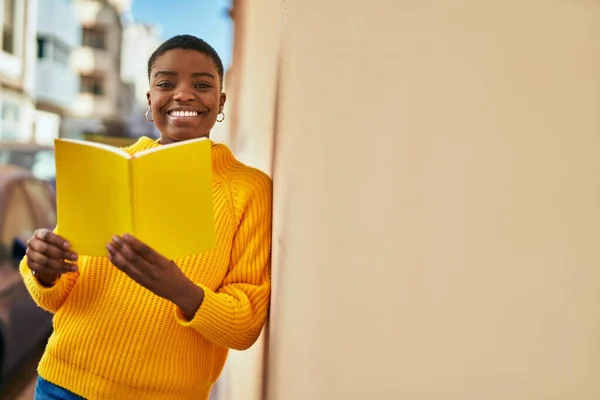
column 131, row 199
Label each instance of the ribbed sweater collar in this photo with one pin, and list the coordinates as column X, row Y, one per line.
column 221, row 154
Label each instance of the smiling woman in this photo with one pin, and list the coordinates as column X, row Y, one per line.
column 185, row 96
column 136, row 324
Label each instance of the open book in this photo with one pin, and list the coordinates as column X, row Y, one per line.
column 162, row 196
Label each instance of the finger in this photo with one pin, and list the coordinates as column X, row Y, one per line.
column 132, row 257
column 118, row 259
column 140, row 248
column 49, row 265
column 50, row 237
column 51, row 251
column 38, row 262
column 40, row 269
column 129, row 261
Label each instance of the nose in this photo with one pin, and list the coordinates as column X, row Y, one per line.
column 183, row 94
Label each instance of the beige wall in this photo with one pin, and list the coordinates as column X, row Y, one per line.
column 251, row 88
column 437, row 225
column 254, row 76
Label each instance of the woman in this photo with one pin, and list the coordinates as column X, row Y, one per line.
column 135, row 325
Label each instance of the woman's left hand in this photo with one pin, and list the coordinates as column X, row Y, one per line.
column 156, row 273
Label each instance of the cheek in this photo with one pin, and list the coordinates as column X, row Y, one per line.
column 157, row 99
column 155, row 107
column 158, row 117
column 210, row 101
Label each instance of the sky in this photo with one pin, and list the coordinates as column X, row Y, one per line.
column 206, row 19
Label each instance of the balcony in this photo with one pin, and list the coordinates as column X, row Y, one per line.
column 56, row 83
column 87, row 60
column 57, row 18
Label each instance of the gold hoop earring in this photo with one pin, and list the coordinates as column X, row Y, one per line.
column 148, row 114
column 222, row 118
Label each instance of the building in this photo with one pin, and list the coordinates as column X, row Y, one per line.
column 123, row 7
column 56, row 81
column 139, row 42
column 17, row 69
column 436, row 221
column 104, row 100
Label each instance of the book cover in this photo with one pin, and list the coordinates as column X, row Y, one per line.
column 162, row 196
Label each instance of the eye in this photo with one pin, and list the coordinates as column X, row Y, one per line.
column 202, row 85
column 164, row 85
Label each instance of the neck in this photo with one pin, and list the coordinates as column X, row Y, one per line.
column 164, row 139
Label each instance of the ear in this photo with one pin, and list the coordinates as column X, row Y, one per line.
column 222, row 100
column 148, row 97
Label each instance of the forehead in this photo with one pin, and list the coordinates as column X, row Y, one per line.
column 180, row 60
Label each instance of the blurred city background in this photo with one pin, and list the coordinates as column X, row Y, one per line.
column 72, row 69
column 436, row 182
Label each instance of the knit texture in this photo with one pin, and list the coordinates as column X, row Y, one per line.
column 114, row 339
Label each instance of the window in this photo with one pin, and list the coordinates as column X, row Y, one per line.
column 18, row 221
column 93, row 84
column 94, row 37
column 54, row 49
column 42, row 48
column 10, row 112
column 8, row 27
column 10, row 120
column 60, row 52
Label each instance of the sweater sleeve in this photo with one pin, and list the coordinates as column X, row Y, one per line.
column 234, row 315
column 48, row 298
column 52, row 298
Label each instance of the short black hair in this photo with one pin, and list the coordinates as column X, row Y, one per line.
column 187, row 42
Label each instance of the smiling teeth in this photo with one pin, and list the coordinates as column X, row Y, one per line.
column 184, row 113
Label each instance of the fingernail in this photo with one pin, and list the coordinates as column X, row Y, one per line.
column 66, row 245
column 116, row 239
column 73, row 256
column 110, row 247
column 127, row 236
column 74, row 268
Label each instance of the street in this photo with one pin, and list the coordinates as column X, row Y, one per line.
column 21, row 385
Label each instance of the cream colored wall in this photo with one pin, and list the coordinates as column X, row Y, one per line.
column 257, row 75
column 251, row 86
column 437, row 221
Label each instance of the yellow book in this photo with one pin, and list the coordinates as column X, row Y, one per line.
column 162, row 196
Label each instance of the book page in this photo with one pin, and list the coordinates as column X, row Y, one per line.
column 169, row 146
column 172, row 199
column 99, row 146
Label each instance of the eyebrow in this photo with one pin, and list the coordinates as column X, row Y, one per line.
column 194, row 75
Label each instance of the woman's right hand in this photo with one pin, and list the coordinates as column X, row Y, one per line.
column 48, row 256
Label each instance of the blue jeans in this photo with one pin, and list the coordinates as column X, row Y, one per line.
column 45, row 390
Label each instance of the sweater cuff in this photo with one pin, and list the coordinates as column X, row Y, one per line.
column 210, row 317
column 49, row 295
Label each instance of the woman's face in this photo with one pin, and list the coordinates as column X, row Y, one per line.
column 185, row 96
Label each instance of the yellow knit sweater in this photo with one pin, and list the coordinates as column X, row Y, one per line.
column 114, row 339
